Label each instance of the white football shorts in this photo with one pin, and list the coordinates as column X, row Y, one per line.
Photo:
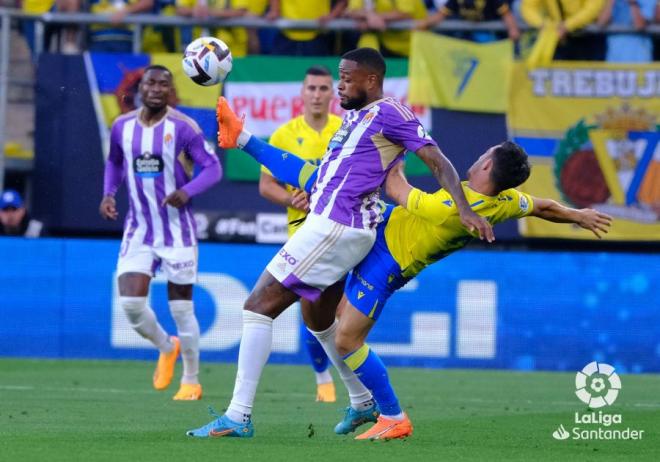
column 319, row 254
column 179, row 264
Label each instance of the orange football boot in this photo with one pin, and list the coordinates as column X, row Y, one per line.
column 388, row 429
column 188, row 392
column 229, row 124
column 325, row 393
column 165, row 367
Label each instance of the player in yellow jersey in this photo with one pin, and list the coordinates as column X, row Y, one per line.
column 423, row 229
column 306, row 136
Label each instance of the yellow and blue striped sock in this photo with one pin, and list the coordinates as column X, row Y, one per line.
column 372, row 373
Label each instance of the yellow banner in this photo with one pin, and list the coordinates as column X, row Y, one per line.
column 591, row 130
column 456, row 74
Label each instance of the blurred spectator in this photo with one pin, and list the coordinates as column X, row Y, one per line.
column 631, row 48
column 475, row 10
column 235, row 37
column 116, row 37
column 304, row 43
column 373, row 15
column 14, row 217
column 570, row 16
column 69, row 34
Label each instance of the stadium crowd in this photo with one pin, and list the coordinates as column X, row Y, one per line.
column 566, row 17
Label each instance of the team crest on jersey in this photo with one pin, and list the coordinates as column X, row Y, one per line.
column 524, row 203
column 367, row 119
column 147, row 165
column 168, row 138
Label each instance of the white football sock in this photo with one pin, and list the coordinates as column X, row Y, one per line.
column 359, row 395
column 253, row 353
column 323, row 377
column 188, row 330
column 143, row 320
column 243, row 139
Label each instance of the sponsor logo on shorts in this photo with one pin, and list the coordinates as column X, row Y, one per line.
column 180, row 265
column 290, row 259
column 363, row 281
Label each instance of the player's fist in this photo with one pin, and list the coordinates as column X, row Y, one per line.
column 108, row 208
column 177, row 199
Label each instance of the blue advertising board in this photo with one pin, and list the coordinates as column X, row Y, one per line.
column 486, row 309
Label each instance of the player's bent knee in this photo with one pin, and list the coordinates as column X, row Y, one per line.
column 345, row 344
column 133, row 306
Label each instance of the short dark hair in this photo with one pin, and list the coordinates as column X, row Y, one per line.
column 510, row 166
column 318, row 70
column 157, row 67
column 367, row 58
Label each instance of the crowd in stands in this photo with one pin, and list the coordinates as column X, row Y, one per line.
column 567, row 18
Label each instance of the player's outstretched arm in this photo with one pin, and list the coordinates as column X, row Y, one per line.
column 590, row 219
column 445, row 173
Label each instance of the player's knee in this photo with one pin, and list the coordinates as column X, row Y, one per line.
column 181, row 309
column 133, row 306
column 259, row 304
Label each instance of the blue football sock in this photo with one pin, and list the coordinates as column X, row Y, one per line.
column 314, row 349
column 370, row 369
column 286, row 167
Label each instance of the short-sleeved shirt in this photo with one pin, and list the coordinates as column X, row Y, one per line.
column 396, row 41
column 156, row 161
column 300, row 139
column 475, row 10
column 430, row 228
column 630, row 48
column 359, row 156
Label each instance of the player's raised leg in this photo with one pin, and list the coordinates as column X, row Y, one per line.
column 286, row 167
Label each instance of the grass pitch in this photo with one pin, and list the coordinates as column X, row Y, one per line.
column 106, row 410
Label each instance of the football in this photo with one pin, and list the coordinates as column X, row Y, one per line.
column 207, row 61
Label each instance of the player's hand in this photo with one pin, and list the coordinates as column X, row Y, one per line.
column 177, row 199
column 200, row 11
column 108, row 208
column 300, row 200
column 475, row 223
column 376, row 22
column 595, row 221
column 422, row 24
column 118, row 17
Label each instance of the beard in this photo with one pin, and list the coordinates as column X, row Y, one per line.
column 356, row 102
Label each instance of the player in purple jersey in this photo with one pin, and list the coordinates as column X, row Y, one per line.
column 154, row 148
column 338, row 232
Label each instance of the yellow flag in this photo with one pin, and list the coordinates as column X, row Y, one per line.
column 456, row 74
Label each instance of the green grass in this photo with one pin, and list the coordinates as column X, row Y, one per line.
column 106, row 410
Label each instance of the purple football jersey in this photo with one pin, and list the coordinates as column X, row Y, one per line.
column 358, row 158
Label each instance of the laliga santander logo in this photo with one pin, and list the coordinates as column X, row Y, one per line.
column 597, row 385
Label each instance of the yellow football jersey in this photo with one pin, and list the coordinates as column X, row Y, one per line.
column 429, row 228
column 397, row 41
column 300, row 139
